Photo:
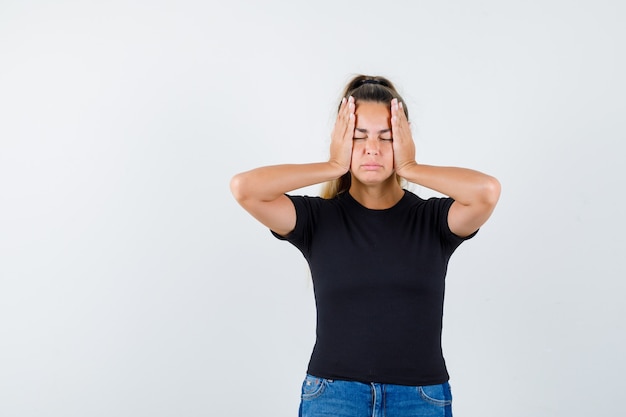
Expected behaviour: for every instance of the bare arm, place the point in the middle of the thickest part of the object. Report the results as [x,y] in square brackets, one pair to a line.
[475,194]
[261,191]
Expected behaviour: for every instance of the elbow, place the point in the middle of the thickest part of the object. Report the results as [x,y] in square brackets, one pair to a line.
[237,187]
[491,191]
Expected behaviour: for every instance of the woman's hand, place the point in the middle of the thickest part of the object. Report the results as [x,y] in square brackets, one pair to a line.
[403,145]
[342,135]
[475,194]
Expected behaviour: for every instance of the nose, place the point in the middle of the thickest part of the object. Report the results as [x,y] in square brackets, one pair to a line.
[372,147]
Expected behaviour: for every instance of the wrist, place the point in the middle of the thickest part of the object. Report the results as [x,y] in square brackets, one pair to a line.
[337,168]
[402,169]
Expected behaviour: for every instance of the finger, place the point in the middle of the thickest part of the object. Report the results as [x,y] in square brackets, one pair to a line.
[398,117]
[350,106]
[349,133]
[345,109]
[401,113]
[342,105]
[346,103]
[395,122]
[347,126]
[395,113]
[339,127]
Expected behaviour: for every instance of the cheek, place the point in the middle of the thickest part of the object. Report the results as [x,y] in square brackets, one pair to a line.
[357,148]
[389,152]
[354,158]
[388,148]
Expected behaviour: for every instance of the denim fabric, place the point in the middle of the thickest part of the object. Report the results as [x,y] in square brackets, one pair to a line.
[325,398]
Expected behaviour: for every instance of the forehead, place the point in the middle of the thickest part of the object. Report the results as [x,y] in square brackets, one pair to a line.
[371,112]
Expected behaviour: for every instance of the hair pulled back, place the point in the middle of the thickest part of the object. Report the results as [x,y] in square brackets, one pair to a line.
[363,88]
[372,88]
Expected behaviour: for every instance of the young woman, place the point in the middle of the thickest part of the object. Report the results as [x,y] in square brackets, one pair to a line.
[378,256]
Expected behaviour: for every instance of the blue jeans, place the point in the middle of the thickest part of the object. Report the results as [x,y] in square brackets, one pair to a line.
[325,398]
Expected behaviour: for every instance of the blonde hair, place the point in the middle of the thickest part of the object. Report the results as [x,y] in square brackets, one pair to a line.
[363,88]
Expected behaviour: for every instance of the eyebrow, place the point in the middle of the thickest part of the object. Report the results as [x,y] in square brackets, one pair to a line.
[367,131]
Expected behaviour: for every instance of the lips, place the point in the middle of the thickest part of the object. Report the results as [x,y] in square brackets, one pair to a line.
[371,166]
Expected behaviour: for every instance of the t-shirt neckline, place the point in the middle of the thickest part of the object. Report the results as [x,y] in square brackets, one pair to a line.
[353,201]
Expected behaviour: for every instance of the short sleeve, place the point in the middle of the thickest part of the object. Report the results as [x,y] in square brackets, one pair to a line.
[454,240]
[300,236]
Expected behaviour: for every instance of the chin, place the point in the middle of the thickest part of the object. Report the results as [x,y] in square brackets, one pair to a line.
[373,179]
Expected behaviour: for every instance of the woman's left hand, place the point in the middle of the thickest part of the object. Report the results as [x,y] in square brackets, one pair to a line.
[403,145]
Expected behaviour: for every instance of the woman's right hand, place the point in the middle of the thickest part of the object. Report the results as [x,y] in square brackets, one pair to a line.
[342,135]
[262,191]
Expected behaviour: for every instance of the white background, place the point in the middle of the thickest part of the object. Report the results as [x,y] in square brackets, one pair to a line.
[132,284]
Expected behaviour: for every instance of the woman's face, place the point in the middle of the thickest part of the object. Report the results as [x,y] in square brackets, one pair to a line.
[372,149]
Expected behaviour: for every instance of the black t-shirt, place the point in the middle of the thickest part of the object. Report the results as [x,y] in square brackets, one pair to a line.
[379,279]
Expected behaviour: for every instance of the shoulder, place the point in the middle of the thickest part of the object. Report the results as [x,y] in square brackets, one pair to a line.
[313,209]
[308,203]
[430,205]
[432,211]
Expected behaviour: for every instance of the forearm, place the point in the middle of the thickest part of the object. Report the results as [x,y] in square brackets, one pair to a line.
[270,182]
[466,186]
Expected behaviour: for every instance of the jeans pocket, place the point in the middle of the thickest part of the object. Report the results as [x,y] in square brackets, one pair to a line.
[439,395]
[312,387]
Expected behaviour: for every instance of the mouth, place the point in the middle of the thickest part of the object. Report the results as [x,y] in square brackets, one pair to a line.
[371,166]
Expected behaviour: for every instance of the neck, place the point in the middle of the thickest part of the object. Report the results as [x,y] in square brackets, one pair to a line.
[377,197]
